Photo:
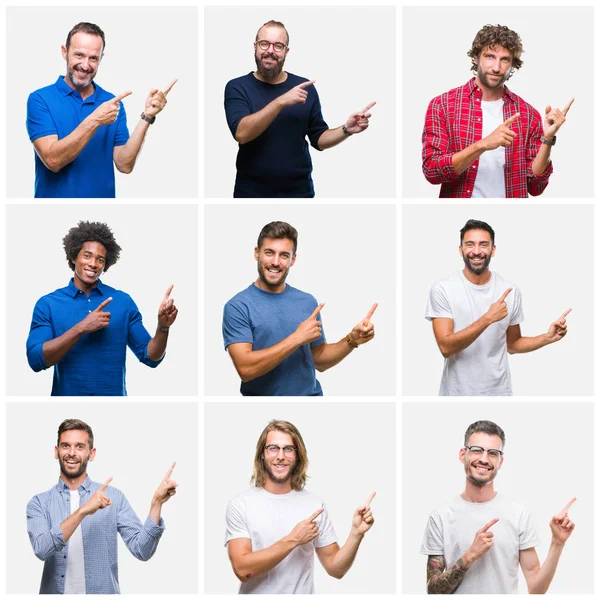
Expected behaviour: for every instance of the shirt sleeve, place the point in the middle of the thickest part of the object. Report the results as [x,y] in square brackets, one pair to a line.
[327,534]
[235,521]
[517,316]
[536,184]
[122,133]
[436,155]
[138,337]
[141,540]
[40,331]
[237,105]
[316,124]
[45,539]
[39,120]
[236,324]
[527,534]
[433,539]
[438,304]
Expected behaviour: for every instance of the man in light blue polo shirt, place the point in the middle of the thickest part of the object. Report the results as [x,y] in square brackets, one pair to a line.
[78,129]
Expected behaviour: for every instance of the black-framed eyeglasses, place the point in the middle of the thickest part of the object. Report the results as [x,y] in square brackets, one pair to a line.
[277,46]
[287,450]
[478,451]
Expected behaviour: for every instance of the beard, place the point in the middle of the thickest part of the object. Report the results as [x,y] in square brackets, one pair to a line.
[480,482]
[268,283]
[73,475]
[78,84]
[277,478]
[489,83]
[269,73]
[477,270]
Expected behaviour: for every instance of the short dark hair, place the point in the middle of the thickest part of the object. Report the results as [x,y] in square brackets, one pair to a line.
[475,224]
[485,427]
[70,425]
[87,231]
[86,28]
[497,35]
[278,230]
[272,23]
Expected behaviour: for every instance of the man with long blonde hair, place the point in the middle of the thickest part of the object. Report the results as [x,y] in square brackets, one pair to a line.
[273,528]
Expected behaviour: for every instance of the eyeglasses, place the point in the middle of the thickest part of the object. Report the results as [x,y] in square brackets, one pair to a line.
[277,46]
[478,451]
[287,450]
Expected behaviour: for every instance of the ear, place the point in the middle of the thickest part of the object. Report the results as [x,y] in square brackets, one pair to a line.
[256,253]
[63,49]
[460,251]
[92,455]
[494,250]
[500,463]
[56,452]
[293,260]
[461,455]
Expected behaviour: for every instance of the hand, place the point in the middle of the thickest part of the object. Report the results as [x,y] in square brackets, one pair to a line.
[558,329]
[560,524]
[362,519]
[167,311]
[498,310]
[503,135]
[364,331]
[306,531]
[359,121]
[108,111]
[310,330]
[98,500]
[297,95]
[166,489]
[482,543]
[554,119]
[157,100]
[97,319]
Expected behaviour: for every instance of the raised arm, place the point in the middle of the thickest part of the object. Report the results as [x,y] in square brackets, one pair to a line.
[167,313]
[248,564]
[356,123]
[517,344]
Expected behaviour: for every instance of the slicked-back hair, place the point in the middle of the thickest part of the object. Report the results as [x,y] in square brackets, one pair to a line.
[299,476]
[496,35]
[90,28]
[75,424]
[272,23]
[485,427]
[87,231]
[475,224]
[278,230]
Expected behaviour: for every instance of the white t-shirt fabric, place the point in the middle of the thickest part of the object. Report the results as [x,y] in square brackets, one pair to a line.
[489,182]
[451,530]
[266,518]
[482,368]
[75,577]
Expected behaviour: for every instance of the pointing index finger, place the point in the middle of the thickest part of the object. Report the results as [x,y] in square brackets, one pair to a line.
[305,84]
[568,506]
[370,499]
[168,292]
[506,293]
[105,484]
[565,314]
[121,96]
[316,514]
[488,525]
[103,304]
[317,310]
[371,311]
[368,106]
[512,119]
[170,87]
[170,471]
[568,106]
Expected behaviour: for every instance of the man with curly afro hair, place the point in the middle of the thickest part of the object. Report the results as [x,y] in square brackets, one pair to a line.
[73,330]
[481,140]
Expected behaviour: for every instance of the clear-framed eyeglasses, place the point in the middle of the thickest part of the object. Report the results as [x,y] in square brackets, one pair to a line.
[288,451]
[277,46]
[491,452]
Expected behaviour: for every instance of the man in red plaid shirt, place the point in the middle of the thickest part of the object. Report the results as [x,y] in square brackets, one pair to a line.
[481,140]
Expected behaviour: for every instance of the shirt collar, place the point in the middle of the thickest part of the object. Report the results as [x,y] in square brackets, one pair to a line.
[67,90]
[73,290]
[472,88]
[61,486]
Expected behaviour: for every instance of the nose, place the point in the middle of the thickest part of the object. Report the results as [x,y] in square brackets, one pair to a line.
[280,453]
[276,260]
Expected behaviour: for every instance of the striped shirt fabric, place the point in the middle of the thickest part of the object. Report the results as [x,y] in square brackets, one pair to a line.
[454,121]
[45,513]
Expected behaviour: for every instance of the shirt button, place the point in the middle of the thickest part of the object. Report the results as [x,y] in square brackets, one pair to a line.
[479,119]
[89,300]
[65,556]
[89,311]
[468,191]
[62,575]
[472,166]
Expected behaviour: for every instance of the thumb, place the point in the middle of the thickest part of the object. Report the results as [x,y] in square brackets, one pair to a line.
[153,91]
[548,109]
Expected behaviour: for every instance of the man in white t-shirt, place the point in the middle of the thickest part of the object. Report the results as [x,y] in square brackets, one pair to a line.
[274,529]
[73,526]
[476,542]
[476,317]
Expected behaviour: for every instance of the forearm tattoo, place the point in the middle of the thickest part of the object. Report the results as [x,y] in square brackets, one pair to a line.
[441,580]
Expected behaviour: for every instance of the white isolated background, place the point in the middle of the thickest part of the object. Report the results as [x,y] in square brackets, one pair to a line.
[351,448]
[345,258]
[558,64]
[549,459]
[159,245]
[146,47]
[136,444]
[546,251]
[349,51]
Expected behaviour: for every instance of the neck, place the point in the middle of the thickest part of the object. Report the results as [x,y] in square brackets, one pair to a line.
[85,92]
[480,279]
[279,79]
[489,94]
[478,493]
[274,487]
[277,289]
[84,287]
[74,483]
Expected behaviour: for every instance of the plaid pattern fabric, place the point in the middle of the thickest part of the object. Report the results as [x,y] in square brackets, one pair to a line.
[45,513]
[454,121]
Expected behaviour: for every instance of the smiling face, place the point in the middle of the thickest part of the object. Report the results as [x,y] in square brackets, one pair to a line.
[477,250]
[494,67]
[83,59]
[274,260]
[269,62]
[73,453]
[481,470]
[279,466]
[89,265]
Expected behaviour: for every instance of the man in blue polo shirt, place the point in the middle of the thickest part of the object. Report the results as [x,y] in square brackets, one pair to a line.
[72,331]
[273,332]
[79,130]
[270,112]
